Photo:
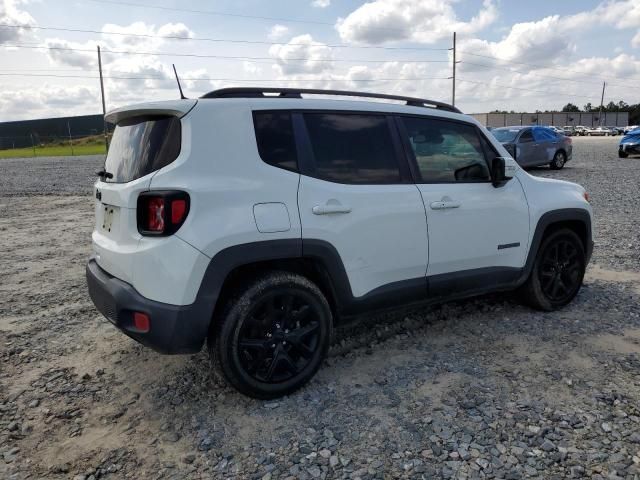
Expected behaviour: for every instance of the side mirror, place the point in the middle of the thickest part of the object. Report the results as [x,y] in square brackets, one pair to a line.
[500,172]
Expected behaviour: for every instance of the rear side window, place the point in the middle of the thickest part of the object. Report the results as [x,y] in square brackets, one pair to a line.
[526,137]
[276,143]
[446,151]
[352,148]
[141,145]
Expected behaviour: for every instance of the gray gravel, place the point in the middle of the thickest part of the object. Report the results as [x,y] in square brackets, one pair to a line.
[483,388]
[49,175]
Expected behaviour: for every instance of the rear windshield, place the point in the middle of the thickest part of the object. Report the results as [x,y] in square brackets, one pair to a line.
[504,135]
[141,145]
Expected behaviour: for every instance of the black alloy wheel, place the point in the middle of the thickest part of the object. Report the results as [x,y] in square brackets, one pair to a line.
[559,159]
[557,272]
[561,271]
[273,335]
[279,337]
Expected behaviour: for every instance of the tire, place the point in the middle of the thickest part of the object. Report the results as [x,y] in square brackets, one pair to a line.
[559,159]
[273,336]
[541,290]
[622,154]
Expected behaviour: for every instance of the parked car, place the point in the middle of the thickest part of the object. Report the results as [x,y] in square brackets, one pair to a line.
[597,132]
[580,130]
[535,146]
[259,223]
[630,128]
[630,144]
[558,130]
[569,130]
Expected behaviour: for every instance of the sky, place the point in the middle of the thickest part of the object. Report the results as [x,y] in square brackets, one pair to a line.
[512,54]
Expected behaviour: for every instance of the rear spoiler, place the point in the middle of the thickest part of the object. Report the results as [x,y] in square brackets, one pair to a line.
[176,108]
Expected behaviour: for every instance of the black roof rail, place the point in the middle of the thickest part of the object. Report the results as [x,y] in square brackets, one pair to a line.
[255,92]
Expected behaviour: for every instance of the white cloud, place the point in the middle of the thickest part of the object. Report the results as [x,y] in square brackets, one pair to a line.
[11,14]
[278,31]
[317,56]
[541,41]
[195,81]
[47,101]
[158,74]
[251,68]
[63,52]
[550,39]
[320,3]
[620,14]
[635,41]
[141,35]
[424,21]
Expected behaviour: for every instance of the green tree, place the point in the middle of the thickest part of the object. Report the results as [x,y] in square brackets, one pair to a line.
[570,107]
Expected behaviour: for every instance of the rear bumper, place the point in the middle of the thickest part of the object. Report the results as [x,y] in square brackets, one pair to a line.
[174,328]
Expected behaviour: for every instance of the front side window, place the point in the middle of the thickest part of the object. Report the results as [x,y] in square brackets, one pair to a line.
[352,148]
[543,135]
[446,151]
[276,142]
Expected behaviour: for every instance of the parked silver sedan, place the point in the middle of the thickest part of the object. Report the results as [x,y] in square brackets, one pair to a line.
[534,146]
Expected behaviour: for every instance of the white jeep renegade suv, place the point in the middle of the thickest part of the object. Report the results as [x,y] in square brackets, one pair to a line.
[257,220]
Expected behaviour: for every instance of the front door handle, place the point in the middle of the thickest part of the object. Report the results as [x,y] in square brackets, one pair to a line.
[442,205]
[330,208]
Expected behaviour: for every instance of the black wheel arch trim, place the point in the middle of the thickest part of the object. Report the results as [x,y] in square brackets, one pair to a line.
[193,322]
[336,280]
[554,217]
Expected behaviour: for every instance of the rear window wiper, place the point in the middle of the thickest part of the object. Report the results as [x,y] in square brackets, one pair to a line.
[104,174]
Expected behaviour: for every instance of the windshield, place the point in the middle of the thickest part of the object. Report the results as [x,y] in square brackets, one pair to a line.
[505,135]
[141,145]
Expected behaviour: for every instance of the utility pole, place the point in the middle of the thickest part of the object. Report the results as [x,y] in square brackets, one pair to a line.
[104,109]
[601,102]
[453,78]
[70,138]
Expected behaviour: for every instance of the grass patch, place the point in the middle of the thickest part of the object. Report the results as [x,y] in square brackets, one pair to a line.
[93,145]
[53,151]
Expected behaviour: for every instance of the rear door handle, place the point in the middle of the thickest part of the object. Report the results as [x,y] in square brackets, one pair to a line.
[330,208]
[442,205]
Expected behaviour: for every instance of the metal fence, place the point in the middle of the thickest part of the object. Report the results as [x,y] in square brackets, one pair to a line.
[559,119]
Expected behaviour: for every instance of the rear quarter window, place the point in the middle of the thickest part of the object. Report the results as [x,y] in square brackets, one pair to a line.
[275,139]
[142,145]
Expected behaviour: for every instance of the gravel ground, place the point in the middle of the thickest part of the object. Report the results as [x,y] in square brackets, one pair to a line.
[483,388]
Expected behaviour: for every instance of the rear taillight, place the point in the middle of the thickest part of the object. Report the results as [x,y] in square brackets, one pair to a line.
[162,213]
[155,215]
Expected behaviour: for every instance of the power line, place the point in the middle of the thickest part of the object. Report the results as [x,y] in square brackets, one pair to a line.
[213,12]
[223,57]
[526,89]
[240,15]
[217,40]
[225,79]
[538,65]
[496,67]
